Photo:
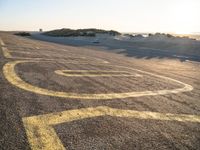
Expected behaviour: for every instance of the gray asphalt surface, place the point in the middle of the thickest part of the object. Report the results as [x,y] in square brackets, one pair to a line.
[175,49]
[99,132]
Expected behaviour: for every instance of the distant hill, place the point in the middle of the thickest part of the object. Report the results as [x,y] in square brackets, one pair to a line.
[79,32]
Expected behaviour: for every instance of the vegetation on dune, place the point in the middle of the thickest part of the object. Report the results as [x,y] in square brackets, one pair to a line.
[79,32]
[158,36]
[23,34]
[170,36]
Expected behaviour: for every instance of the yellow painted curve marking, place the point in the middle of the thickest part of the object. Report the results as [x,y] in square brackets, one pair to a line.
[41,135]
[103,61]
[1,42]
[94,73]
[6,52]
[13,78]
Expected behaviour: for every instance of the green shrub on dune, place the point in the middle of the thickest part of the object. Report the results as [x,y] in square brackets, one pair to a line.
[79,32]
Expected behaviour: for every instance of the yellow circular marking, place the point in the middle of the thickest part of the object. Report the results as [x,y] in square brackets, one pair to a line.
[94,73]
[13,78]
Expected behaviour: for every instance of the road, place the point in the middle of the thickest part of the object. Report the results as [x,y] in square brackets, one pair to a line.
[56,96]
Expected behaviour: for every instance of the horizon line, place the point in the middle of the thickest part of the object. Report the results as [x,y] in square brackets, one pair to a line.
[19,30]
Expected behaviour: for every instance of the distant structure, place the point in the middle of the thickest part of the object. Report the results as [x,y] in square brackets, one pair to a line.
[40,30]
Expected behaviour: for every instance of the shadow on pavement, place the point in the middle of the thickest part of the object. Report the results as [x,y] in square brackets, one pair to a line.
[133,49]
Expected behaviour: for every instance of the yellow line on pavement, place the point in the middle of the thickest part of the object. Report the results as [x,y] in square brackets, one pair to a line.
[1,42]
[103,61]
[41,134]
[94,73]
[6,52]
[13,78]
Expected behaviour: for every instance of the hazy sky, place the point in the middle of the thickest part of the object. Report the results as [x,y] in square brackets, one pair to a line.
[180,16]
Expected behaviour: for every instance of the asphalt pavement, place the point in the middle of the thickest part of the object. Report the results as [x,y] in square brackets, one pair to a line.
[55,96]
